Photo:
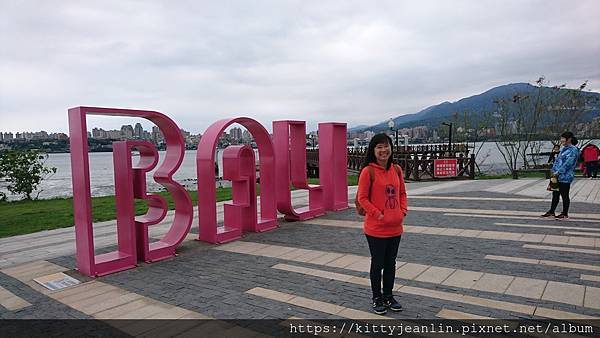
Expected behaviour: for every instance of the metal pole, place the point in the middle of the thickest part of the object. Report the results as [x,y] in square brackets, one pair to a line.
[396,151]
[450,138]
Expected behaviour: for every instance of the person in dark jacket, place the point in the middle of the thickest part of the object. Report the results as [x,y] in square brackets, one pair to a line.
[563,170]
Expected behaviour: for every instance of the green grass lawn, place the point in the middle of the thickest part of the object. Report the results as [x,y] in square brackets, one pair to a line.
[24,217]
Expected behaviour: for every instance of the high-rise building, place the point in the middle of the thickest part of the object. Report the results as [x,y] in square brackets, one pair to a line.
[115,134]
[58,136]
[246,136]
[157,135]
[100,133]
[419,132]
[127,131]
[236,134]
[138,131]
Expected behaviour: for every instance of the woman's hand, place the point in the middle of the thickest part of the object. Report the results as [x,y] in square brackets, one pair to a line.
[380,218]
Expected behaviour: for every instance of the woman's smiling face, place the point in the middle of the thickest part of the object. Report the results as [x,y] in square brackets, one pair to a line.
[383,152]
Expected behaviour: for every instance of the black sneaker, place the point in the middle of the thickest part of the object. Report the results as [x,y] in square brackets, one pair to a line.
[548,214]
[562,217]
[378,306]
[392,304]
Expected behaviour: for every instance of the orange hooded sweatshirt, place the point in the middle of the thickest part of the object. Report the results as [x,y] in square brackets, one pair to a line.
[388,197]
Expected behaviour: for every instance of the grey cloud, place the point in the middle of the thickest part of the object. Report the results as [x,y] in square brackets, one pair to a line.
[352,61]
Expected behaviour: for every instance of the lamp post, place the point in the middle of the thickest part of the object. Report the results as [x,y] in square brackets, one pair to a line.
[449,135]
[391,125]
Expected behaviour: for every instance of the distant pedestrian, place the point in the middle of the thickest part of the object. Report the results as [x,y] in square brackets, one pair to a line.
[590,154]
[382,195]
[563,170]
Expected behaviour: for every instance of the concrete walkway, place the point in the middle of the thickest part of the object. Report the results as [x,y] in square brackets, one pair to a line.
[471,249]
[59,242]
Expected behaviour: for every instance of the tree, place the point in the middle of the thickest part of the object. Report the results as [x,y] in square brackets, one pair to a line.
[470,129]
[518,122]
[565,112]
[524,120]
[24,170]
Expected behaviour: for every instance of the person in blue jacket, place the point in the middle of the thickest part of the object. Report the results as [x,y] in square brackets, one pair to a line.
[564,170]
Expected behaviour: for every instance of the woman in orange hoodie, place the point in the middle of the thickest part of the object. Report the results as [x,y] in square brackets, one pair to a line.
[382,194]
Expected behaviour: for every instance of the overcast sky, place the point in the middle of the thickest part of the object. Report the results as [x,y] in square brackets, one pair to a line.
[359,62]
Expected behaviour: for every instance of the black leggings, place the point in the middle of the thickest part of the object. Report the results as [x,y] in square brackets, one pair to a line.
[563,191]
[383,257]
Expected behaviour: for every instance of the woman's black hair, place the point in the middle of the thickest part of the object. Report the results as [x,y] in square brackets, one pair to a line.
[375,140]
[569,135]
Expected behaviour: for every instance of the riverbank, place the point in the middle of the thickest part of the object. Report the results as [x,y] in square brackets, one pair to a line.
[24,217]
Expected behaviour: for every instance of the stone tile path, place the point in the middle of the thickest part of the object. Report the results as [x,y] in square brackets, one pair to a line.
[471,250]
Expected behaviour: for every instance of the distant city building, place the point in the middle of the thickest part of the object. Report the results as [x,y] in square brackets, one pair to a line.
[114,134]
[58,136]
[313,138]
[157,135]
[40,135]
[420,132]
[246,137]
[99,133]
[127,131]
[138,131]
[235,134]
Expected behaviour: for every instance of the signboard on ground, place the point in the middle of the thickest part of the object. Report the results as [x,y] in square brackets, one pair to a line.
[57,281]
[444,168]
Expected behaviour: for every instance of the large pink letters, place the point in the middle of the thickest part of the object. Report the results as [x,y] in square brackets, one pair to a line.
[333,170]
[239,168]
[129,183]
[289,138]
[205,162]
[282,161]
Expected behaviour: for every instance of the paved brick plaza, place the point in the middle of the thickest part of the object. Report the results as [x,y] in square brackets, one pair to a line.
[470,250]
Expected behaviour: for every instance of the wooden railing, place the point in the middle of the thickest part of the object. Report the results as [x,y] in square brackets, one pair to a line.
[416,161]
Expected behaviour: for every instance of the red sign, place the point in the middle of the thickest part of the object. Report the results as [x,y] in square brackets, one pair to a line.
[444,168]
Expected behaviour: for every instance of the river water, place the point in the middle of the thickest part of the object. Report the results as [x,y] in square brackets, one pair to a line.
[102,180]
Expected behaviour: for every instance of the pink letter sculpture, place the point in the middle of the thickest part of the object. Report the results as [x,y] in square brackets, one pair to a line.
[333,170]
[240,169]
[205,162]
[238,166]
[289,138]
[129,184]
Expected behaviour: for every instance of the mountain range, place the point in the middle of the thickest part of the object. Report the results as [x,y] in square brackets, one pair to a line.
[476,106]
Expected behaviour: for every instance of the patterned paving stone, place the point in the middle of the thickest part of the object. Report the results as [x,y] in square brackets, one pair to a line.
[470,266]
